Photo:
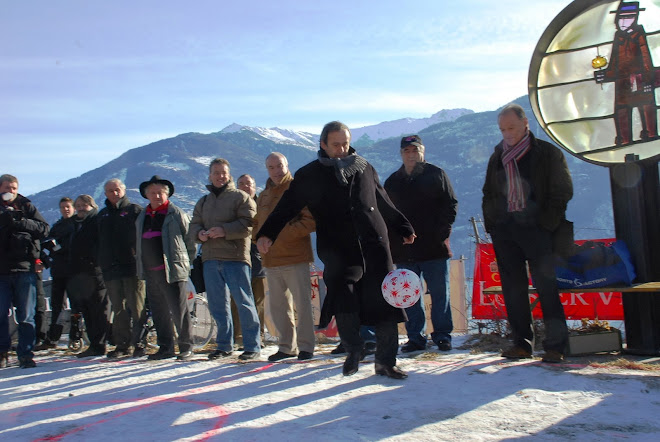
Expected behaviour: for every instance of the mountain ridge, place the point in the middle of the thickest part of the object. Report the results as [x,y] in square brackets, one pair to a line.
[461,146]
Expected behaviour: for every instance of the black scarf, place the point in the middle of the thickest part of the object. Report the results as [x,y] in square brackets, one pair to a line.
[344,167]
[216,190]
[79,222]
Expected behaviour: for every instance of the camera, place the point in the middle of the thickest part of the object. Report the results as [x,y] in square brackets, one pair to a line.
[50,244]
[9,214]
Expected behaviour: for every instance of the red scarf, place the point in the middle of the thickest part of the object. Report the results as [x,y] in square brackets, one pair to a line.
[517,200]
[162,209]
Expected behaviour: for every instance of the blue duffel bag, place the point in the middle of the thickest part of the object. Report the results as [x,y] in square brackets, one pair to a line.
[596,264]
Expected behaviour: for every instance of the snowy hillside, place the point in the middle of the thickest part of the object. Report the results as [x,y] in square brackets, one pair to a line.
[279,136]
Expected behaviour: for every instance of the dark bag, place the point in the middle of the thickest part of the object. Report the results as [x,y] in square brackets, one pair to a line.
[563,241]
[196,268]
[197,274]
[596,264]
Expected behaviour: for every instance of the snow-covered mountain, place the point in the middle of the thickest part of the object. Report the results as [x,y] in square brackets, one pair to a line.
[364,136]
[279,136]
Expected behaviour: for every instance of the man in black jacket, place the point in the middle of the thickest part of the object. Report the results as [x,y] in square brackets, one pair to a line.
[117,260]
[21,229]
[423,193]
[352,212]
[527,188]
[58,246]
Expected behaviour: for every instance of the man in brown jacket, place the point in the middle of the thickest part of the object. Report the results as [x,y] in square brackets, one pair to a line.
[287,267]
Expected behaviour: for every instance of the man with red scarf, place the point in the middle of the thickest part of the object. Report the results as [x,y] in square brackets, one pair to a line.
[527,188]
[163,256]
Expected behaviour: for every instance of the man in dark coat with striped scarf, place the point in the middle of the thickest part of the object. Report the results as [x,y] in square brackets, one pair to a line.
[527,188]
[352,213]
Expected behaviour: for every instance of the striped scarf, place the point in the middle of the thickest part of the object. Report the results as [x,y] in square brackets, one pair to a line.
[344,167]
[516,197]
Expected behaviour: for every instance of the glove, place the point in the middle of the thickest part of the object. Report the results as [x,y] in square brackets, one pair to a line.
[6,218]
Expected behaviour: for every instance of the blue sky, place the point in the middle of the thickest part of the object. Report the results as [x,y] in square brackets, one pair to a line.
[83,81]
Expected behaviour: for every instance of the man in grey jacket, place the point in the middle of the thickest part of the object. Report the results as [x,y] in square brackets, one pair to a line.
[163,260]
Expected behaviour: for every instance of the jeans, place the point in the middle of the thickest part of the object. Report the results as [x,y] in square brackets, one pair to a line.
[368,333]
[19,289]
[436,274]
[225,278]
[259,292]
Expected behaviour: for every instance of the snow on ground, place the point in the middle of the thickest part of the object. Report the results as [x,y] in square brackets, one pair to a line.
[457,395]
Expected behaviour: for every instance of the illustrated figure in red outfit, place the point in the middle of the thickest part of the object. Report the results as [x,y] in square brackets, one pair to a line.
[632,71]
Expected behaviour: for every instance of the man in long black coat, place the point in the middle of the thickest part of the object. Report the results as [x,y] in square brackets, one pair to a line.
[352,213]
[526,191]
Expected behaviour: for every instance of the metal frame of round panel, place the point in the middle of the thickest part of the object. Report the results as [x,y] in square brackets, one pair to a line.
[578,112]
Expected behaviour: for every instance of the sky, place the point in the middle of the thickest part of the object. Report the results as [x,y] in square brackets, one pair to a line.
[449,396]
[82,82]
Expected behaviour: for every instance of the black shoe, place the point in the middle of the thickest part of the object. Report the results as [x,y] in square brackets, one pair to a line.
[338,350]
[118,353]
[26,362]
[305,356]
[185,355]
[90,352]
[249,355]
[369,348]
[553,357]
[4,359]
[45,345]
[159,355]
[219,354]
[139,352]
[444,345]
[352,362]
[517,352]
[411,346]
[279,356]
[393,372]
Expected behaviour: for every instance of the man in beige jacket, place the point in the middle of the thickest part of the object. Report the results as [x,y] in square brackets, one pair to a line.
[222,223]
[287,268]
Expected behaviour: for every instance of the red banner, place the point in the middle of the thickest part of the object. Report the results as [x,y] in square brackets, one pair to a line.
[597,305]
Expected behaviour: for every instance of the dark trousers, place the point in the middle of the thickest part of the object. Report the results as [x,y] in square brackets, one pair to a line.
[387,337]
[516,244]
[169,309]
[40,322]
[127,297]
[89,295]
[57,291]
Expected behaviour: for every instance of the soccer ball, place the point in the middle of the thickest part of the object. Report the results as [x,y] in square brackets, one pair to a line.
[402,288]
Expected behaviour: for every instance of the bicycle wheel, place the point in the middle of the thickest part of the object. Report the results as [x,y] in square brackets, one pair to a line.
[78,333]
[151,338]
[203,324]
